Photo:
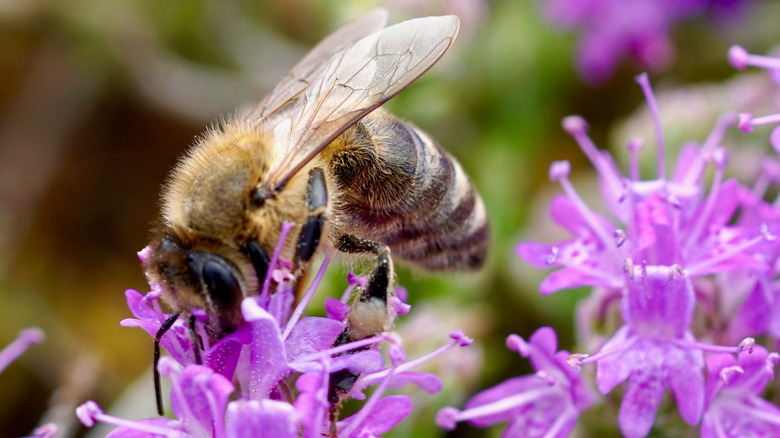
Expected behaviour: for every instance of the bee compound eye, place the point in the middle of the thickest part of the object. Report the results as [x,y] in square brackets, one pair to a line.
[221,283]
[168,246]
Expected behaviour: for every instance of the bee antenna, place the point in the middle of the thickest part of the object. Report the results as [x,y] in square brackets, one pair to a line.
[157,390]
[260,194]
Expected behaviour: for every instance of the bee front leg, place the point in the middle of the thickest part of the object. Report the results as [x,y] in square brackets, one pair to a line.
[157,388]
[311,232]
[197,342]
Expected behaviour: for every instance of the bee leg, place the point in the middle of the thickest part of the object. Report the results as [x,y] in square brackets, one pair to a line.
[157,389]
[197,342]
[316,203]
[333,417]
[380,281]
[369,313]
[340,383]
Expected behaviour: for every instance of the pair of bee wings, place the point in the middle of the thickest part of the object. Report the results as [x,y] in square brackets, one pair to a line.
[347,75]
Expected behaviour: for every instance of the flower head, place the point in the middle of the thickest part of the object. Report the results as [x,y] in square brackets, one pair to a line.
[664,220]
[545,404]
[663,235]
[285,367]
[199,398]
[650,350]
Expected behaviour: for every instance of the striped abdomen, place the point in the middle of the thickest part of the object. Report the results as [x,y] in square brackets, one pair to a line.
[398,187]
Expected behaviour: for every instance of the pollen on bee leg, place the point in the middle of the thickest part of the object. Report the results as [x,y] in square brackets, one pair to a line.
[365,317]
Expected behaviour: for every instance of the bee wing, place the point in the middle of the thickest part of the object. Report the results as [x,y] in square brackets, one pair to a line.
[355,81]
[299,77]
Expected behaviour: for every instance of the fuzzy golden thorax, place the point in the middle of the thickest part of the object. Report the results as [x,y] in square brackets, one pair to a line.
[207,214]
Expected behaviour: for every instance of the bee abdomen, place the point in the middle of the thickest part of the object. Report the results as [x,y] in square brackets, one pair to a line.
[449,230]
[397,186]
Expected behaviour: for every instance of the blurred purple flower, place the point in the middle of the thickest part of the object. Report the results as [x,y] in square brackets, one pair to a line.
[734,407]
[275,346]
[48,430]
[545,404]
[750,300]
[25,339]
[759,312]
[741,59]
[612,29]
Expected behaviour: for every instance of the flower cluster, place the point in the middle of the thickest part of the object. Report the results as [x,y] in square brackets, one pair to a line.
[688,264]
[544,404]
[273,376]
[612,29]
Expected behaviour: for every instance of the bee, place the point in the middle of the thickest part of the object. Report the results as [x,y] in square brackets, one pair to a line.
[318,151]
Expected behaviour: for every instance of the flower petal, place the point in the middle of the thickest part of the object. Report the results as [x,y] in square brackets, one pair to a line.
[384,415]
[429,383]
[264,362]
[614,369]
[138,432]
[199,398]
[223,356]
[539,255]
[262,419]
[311,335]
[640,403]
[568,278]
[336,309]
[687,383]
[511,387]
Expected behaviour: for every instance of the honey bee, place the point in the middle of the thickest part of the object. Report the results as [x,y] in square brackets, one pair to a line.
[319,152]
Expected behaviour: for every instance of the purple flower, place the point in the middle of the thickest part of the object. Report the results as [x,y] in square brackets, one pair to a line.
[750,299]
[653,350]
[663,234]
[281,363]
[758,295]
[545,404]
[199,398]
[660,221]
[25,340]
[734,406]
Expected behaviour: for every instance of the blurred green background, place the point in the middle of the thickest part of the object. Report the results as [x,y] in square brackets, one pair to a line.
[98,98]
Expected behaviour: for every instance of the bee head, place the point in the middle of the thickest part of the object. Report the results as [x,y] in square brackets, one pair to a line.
[199,277]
